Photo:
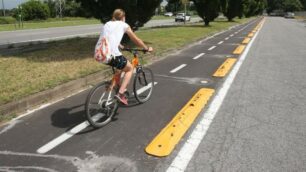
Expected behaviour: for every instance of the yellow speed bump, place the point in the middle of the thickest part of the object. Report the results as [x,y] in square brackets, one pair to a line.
[225,67]
[239,49]
[251,35]
[246,40]
[165,141]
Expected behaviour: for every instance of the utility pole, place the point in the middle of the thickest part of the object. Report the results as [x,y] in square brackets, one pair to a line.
[3,8]
[185,9]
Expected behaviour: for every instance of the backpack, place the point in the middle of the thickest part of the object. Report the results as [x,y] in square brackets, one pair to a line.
[102,51]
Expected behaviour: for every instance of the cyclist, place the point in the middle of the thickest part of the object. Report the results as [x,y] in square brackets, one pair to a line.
[118,28]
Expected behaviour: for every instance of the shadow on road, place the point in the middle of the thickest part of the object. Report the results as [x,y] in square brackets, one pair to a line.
[68,117]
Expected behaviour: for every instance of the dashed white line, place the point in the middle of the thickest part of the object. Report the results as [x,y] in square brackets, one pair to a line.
[198,56]
[46,148]
[236,32]
[181,161]
[211,48]
[178,68]
[231,35]
[145,88]
[226,38]
[221,42]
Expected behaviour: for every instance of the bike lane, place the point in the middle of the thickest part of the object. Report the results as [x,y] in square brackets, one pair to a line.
[121,143]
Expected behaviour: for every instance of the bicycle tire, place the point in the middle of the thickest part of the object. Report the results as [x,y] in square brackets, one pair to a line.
[143,84]
[103,114]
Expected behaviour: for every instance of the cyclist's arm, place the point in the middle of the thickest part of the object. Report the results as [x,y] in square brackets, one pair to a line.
[137,40]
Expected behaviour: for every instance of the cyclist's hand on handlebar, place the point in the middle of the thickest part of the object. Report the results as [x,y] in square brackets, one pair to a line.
[150,49]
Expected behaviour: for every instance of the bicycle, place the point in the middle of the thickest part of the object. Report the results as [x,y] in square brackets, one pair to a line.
[102,95]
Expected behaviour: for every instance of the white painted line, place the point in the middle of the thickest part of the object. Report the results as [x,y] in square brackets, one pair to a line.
[231,35]
[211,48]
[221,42]
[179,164]
[145,88]
[178,68]
[236,32]
[57,141]
[227,38]
[198,56]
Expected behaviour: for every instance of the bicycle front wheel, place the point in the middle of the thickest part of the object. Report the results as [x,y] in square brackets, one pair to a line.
[100,105]
[143,84]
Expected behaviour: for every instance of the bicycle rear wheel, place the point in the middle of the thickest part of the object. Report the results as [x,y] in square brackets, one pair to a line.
[143,84]
[100,105]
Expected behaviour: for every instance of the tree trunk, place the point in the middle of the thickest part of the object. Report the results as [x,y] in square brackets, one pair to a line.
[206,21]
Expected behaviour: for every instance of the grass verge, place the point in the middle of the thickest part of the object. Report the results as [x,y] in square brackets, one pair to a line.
[10,24]
[55,63]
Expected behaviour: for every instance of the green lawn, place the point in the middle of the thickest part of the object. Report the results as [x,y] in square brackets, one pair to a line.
[58,62]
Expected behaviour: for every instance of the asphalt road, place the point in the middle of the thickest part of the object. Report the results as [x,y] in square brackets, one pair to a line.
[58,33]
[259,127]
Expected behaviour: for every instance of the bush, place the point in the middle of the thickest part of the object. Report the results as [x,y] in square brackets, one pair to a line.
[33,10]
[7,20]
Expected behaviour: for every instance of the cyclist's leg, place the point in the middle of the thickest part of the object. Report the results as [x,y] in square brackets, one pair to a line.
[128,69]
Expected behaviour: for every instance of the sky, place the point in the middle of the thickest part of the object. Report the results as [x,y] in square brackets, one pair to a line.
[9,4]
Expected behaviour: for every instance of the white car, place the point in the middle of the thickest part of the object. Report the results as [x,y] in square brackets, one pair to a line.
[181,17]
[168,14]
[289,15]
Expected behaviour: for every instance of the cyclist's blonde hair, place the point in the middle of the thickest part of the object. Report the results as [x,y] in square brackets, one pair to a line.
[118,14]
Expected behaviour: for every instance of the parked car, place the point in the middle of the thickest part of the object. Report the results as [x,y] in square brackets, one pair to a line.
[168,14]
[181,17]
[289,15]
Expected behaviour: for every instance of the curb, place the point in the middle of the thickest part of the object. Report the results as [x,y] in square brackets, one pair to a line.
[74,86]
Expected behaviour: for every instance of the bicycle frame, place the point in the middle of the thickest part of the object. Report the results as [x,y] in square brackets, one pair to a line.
[115,81]
[116,75]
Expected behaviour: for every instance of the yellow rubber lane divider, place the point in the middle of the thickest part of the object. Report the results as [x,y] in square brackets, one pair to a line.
[246,40]
[164,143]
[251,35]
[239,49]
[225,67]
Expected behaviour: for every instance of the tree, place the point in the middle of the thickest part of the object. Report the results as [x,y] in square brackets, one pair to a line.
[254,7]
[208,10]
[52,7]
[303,2]
[232,8]
[72,9]
[33,10]
[174,6]
[284,5]
[138,12]
[292,5]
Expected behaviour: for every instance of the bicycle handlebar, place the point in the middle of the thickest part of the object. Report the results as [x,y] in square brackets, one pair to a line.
[134,49]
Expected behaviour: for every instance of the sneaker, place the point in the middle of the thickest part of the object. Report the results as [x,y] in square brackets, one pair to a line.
[122,98]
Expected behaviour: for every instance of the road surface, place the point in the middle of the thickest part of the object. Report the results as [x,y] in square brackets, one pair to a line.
[260,126]
[58,33]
